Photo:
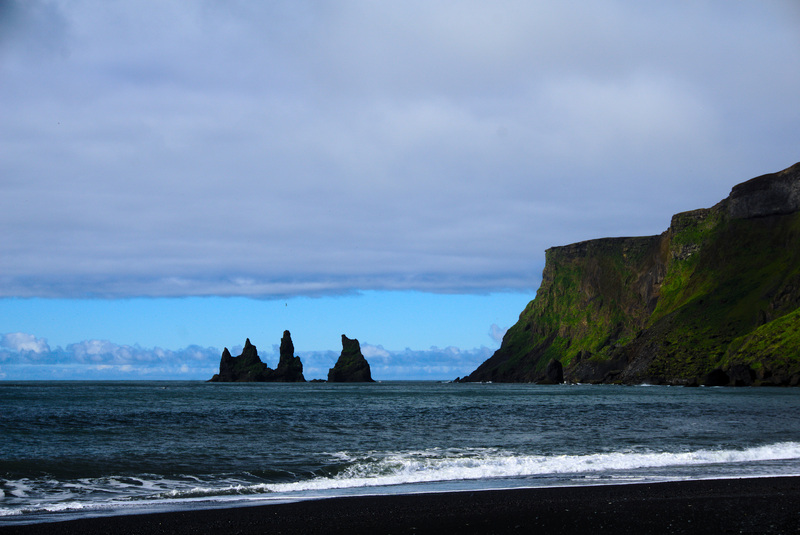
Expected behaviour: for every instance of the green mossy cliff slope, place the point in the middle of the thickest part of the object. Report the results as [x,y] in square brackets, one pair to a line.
[713,300]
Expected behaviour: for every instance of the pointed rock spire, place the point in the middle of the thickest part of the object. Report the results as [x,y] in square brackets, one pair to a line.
[248,367]
[351,367]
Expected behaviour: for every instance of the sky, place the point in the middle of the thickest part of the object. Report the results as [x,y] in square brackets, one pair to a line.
[178,176]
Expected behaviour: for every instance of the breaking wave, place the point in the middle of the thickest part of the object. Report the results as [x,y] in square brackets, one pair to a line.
[453,465]
[370,471]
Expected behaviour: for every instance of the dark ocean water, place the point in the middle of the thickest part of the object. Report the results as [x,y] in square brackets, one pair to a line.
[72,449]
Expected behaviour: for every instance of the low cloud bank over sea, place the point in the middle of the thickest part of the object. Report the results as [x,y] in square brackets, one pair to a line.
[24,356]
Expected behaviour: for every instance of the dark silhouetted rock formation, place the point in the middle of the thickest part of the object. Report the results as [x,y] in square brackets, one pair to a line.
[290,369]
[248,368]
[714,300]
[351,367]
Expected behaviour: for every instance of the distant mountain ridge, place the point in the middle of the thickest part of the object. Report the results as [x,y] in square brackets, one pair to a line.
[714,300]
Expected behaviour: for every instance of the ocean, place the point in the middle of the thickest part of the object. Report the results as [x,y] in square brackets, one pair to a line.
[77,449]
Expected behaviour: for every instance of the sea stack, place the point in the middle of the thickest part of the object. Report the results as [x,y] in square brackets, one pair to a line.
[290,369]
[351,367]
[248,367]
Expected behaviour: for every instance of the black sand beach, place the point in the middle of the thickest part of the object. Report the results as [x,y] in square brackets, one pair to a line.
[763,505]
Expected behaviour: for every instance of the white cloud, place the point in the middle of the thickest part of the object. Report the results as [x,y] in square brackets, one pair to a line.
[371,352]
[26,357]
[497,333]
[22,342]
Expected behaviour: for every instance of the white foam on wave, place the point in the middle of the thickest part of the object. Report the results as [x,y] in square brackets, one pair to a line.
[19,488]
[58,507]
[7,511]
[112,493]
[382,469]
[440,466]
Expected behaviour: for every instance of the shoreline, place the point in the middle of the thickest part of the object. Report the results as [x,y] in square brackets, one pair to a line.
[758,504]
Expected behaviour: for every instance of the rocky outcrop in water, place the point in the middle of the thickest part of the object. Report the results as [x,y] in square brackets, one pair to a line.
[351,367]
[290,368]
[713,300]
[248,367]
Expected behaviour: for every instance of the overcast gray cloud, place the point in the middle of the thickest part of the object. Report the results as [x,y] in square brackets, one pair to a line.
[281,148]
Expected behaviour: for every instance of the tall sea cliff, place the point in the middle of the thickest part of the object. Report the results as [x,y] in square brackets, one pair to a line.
[714,300]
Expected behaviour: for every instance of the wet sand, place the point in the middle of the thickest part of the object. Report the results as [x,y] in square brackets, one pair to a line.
[763,505]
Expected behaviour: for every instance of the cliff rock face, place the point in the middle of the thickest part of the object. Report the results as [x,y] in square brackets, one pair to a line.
[715,299]
[248,367]
[351,367]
